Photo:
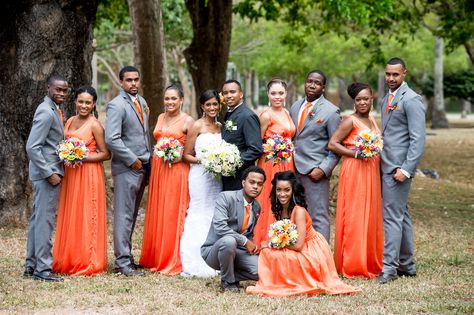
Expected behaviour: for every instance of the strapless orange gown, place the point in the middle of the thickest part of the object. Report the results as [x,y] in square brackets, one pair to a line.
[168,200]
[80,246]
[359,240]
[285,272]
[287,129]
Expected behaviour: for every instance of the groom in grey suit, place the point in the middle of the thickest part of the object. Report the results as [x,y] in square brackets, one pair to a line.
[403,131]
[229,246]
[316,119]
[126,135]
[45,172]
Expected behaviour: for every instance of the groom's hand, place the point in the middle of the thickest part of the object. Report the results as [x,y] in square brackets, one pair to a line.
[399,176]
[251,248]
[137,165]
[316,174]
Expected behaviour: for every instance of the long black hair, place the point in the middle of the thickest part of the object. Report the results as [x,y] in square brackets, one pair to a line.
[298,197]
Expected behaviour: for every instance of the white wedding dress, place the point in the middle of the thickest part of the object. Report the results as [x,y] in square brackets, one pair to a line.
[203,190]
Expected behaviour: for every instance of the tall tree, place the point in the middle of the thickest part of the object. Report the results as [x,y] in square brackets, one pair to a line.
[148,39]
[208,53]
[37,38]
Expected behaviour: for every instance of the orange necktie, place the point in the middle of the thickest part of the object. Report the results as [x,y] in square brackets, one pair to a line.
[389,101]
[245,223]
[303,115]
[139,110]
[61,117]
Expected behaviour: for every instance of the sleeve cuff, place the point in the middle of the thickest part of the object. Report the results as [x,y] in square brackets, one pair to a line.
[405,173]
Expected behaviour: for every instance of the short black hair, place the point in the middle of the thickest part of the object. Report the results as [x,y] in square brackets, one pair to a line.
[177,88]
[233,81]
[397,61]
[86,89]
[318,72]
[253,169]
[56,77]
[127,69]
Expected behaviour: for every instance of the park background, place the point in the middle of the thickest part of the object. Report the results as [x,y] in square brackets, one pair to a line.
[199,44]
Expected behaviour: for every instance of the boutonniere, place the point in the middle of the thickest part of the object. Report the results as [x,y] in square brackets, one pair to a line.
[146,109]
[393,107]
[319,121]
[312,112]
[230,125]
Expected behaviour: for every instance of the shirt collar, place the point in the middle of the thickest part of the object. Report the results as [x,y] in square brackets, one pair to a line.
[394,93]
[231,110]
[133,98]
[313,102]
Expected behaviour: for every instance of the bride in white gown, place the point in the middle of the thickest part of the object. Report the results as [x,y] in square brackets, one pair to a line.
[203,188]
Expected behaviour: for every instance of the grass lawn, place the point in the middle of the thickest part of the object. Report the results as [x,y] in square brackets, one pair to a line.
[442,212]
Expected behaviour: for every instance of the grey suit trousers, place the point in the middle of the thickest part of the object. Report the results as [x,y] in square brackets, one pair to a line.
[398,247]
[234,262]
[128,192]
[41,226]
[317,198]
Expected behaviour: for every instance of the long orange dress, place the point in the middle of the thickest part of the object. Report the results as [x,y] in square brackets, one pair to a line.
[80,247]
[358,248]
[168,200]
[287,129]
[285,272]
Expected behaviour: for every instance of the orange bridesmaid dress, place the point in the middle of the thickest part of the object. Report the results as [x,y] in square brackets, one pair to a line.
[359,240]
[80,247]
[286,128]
[285,272]
[168,200]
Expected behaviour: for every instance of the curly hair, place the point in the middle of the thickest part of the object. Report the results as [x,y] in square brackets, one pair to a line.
[298,197]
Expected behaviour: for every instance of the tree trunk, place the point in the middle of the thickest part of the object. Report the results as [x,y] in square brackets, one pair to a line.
[37,39]
[380,91]
[256,90]
[291,95]
[466,108]
[188,105]
[208,53]
[248,88]
[470,51]
[438,118]
[148,38]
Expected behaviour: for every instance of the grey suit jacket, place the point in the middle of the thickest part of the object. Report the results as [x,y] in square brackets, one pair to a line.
[46,133]
[126,137]
[228,218]
[403,131]
[311,143]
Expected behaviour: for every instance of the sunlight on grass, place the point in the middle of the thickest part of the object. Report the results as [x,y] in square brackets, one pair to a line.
[442,213]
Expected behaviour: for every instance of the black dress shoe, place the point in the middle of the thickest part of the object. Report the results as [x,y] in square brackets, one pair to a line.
[47,276]
[28,273]
[129,272]
[383,278]
[406,274]
[230,287]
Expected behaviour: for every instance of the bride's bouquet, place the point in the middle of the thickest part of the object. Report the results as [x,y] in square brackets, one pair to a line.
[282,234]
[278,149]
[72,151]
[220,158]
[368,144]
[168,149]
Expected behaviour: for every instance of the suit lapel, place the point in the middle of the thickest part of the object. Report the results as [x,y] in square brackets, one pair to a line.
[130,103]
[239,207]
[397,99]
[317,109]
[57,117]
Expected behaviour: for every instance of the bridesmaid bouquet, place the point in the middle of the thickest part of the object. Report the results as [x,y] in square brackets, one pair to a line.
[72,151]
[168,149]
[282,234]
[220,158]
[368,144]
[278,149]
